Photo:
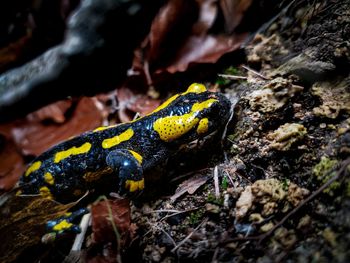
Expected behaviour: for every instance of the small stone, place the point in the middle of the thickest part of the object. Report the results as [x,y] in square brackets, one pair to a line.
[323,125]
[342,130]
[286,135]
[330,236]
[256,218]
[267,227]
[211,208]
[305,221]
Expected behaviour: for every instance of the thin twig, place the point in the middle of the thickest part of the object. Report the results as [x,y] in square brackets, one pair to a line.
[79,239]
[165,233]
[255,72]
[216,182]
[215,255]
[115,229]
[188,236]
[229,178]
[260,238]
[232,77]
[165,211]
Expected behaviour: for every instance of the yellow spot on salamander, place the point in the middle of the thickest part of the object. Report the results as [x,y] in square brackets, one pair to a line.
[45,192]
[133,186]
[172,127]
[19,192]
[195,88]
[137,156]
[101,128]
[110,142]
[203,126]
[35,166]
[49,178]
[63,225]
[203,105]
[72,151]
[166,103]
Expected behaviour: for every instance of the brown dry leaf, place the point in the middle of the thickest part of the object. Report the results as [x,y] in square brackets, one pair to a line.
[233,12]
[102,227]
[165,34]
[132,103]
[12,164]
[190,186]
[33,136]
[204,49]
[54,112]
[180,35]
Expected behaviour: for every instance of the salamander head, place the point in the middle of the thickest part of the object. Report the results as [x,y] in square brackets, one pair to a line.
[192,114]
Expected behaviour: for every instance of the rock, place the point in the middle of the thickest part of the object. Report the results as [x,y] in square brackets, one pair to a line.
[274,95]
[286,135]
[335,98]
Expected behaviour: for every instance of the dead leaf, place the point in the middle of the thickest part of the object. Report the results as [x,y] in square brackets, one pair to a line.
[102,215]
[233,12]
[33,136]
[54,112]
[190,186]
[204,49]
[132,102]
[165,34]
[12,164]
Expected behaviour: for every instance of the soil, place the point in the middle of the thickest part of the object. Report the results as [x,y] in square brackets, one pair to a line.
[290,135]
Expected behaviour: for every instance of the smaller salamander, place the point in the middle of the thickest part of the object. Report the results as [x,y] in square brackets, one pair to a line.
[113,158]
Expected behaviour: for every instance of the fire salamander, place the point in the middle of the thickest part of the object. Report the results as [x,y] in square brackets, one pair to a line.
[113,158]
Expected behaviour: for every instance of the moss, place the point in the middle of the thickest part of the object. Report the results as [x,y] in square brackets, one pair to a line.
[212,199]
[347,189]
[229,71]
[285,184]
[195,217]
[224,183]
[323,173]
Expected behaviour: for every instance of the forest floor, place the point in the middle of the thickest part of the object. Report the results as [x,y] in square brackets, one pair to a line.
[281,192]
[276,188]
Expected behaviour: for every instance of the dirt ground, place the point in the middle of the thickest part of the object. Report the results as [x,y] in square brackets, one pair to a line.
[259,199]
[276,187]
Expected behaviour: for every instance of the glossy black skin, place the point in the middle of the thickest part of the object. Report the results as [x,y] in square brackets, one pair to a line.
[145,141]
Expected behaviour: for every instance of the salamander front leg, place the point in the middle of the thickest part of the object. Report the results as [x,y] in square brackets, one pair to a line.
[63,225]
[127,165]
